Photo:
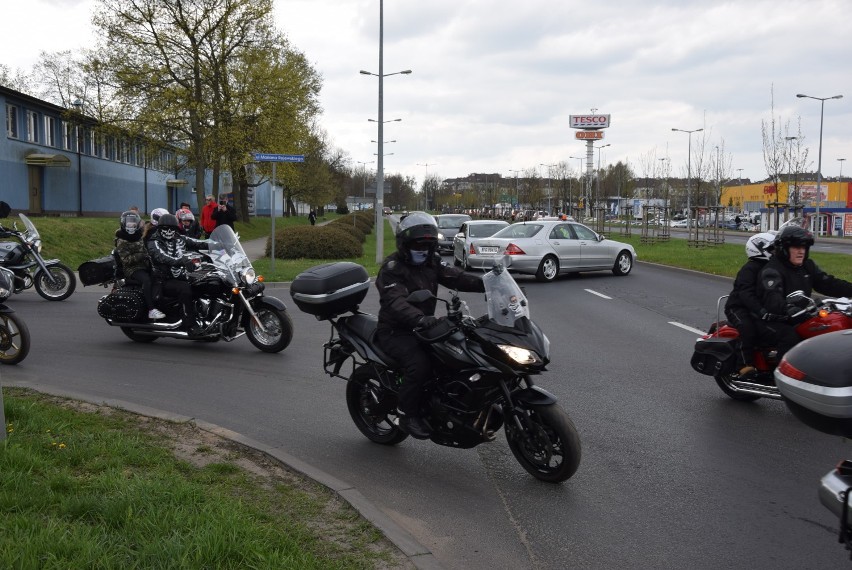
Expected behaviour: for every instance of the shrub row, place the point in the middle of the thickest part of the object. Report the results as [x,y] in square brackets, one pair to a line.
[331,241]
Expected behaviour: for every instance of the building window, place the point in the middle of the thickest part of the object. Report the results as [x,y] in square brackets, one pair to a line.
[50,131]
[11,121]
[139,154]
[124,151]
[97,145]
[68,136]
[32,126]
[109,147]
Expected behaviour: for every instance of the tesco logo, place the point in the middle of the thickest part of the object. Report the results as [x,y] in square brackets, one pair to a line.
[589,121]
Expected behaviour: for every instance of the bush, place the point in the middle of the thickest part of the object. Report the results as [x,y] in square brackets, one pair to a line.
[330,241]
[354,224]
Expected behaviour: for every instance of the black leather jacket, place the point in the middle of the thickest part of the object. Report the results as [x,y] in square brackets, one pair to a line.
[744,294]
[780,278]
[168,255]
[396,280]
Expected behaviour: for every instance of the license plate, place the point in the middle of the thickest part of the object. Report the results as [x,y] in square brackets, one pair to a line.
[488,249]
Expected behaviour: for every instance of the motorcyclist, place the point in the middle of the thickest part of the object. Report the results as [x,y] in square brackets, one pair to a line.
[188,226]
[168,250]
[134,258]
[414,266]
[790,269]
[151,226]
[743,308]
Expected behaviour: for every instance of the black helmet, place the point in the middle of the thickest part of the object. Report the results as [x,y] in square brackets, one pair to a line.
[167,226]
[793,236]
[416,229]
[131,222]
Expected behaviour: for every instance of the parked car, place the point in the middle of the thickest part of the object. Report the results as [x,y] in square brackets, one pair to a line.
[679,223]
[448,227]
[470,230]
[548,248]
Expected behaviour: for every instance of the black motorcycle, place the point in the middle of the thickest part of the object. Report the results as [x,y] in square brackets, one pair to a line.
[14,335]
[228,297]
[483,367]
[53,280]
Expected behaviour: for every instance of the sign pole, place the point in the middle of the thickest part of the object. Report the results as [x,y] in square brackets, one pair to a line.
[272,214]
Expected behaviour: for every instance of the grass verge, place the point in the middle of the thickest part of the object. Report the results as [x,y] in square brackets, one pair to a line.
[94,487]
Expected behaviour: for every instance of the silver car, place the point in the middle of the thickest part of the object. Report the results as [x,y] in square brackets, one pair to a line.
[546,248]
[470,230]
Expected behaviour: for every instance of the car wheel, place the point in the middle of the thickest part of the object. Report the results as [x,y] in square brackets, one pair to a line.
[623,263]
[548,270]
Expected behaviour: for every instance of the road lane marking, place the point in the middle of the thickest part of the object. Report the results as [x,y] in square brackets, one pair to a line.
[688,328]
[593,292]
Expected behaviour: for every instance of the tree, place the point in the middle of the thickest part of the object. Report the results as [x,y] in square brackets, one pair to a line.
[721,169]
[774,144]
[212,76]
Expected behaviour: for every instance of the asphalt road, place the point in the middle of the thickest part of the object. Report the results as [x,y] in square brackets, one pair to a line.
[674,474]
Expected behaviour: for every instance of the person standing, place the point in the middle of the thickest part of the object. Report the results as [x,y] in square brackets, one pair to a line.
[312,217]
[208,224]
[224,214]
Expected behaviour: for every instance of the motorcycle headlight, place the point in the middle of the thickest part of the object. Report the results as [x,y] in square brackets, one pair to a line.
[520,355]
[249,276]
[37,245]
[4,293]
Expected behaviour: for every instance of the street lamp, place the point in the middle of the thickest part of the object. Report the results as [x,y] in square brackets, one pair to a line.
[822,101]
[380,171]
[364,164]
[425,178]
[517,190]
[840,176]
[549,190]
[789,169]
[689,177]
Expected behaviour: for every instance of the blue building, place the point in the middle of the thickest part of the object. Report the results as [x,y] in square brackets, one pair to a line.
[56,161]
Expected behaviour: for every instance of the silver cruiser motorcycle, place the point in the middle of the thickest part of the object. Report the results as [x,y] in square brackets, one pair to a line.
[484,370]
[228,297]
[52,280]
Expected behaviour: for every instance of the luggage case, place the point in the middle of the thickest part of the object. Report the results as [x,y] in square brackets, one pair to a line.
[330,289]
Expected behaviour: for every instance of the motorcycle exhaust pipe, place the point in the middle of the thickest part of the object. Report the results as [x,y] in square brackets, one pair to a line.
[756,389]
[153,327]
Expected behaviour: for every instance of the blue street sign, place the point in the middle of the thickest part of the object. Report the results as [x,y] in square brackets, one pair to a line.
[267,157]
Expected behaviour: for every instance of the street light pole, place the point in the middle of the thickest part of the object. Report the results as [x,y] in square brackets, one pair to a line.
[425,178]
[549,190]
[364,164]
[380,172]
[790,169]
[517,190]
[689,177]
[822,101]
[598,176]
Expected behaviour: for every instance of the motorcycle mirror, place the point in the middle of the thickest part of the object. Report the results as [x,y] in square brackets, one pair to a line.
[5,209]
[419,296]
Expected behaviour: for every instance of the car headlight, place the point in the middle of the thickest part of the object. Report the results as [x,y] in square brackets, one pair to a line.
[249,276]
[440,236]
[520,355]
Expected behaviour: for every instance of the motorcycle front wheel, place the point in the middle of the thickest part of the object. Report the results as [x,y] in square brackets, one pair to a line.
[279,329]
[364,399]
[14,339]
[62,286]
[548,447]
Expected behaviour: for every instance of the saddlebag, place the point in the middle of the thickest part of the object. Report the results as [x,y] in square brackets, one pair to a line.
[330,289]
[714,356]
[97,271]
[124,305]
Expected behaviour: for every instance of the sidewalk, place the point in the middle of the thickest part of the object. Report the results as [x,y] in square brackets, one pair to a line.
[256,248]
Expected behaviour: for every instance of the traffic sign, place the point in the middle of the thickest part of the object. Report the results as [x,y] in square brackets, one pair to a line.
[268,157]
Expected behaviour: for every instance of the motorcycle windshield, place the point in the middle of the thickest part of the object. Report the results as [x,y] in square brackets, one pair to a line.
[31,231]
[506,302]
[227,254]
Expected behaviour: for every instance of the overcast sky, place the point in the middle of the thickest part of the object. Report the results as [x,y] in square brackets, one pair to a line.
[495,81]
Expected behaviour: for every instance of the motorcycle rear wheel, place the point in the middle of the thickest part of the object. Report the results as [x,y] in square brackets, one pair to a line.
[725,383]
[14,339]
[64,285]
[362,391]
[279,327]
[549,448]
[136,337]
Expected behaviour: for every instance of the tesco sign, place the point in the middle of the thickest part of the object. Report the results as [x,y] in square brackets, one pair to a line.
[589,121]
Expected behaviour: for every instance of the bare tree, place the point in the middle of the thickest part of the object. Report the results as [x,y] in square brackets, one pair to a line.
[797,161]
[774,143]
[721,168]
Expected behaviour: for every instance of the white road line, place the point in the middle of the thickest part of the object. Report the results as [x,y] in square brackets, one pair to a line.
[688,328]
[598,294]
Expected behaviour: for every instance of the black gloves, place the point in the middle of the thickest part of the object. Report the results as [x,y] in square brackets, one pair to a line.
[426,322]
[189,264]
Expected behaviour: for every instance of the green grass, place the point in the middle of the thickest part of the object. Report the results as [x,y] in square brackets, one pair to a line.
[102,488]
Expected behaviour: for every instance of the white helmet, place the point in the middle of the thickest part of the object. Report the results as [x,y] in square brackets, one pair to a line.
[156,213]
[759,246]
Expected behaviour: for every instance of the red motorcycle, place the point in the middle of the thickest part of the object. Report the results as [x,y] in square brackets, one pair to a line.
[715,353]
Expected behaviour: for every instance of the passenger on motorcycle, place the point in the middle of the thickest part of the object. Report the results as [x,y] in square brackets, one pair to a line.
[188,226]
[134,260]
[414,266]
[790,270]
[744,308]
[168,250]
[151,226]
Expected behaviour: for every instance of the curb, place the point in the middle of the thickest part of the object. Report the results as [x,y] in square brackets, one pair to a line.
[420,556]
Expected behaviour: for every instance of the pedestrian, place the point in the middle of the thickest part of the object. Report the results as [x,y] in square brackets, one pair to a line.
[208,224]
[224,214]
[312,217]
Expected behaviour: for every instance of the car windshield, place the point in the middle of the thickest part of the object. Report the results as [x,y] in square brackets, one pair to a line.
[453,222]
[484,230]
[519,231]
